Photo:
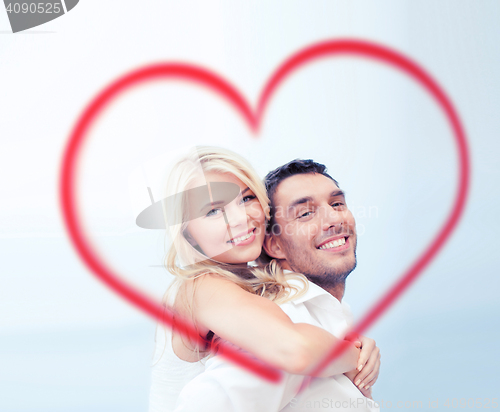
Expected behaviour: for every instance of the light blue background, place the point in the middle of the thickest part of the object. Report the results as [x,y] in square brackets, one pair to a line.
[67,343]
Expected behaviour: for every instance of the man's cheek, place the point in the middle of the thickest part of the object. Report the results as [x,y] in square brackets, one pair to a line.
[309,230]
[293,231]
[279,213]
[352,228]
[299,233]
[349,218]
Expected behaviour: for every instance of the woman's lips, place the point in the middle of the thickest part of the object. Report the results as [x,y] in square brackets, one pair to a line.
[243,240]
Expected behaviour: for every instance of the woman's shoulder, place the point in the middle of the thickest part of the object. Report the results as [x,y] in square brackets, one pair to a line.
[205,283]
[196,294]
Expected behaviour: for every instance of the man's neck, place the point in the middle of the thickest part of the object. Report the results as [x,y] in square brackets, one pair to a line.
[336,290]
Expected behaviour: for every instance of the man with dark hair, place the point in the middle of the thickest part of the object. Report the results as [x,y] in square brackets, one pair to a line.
[295,167]
[311,231]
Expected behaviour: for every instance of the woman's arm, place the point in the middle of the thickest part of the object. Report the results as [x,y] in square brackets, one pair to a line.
[260,327]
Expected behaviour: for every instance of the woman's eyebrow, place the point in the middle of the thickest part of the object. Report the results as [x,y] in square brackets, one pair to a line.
[221,202]
[211,204]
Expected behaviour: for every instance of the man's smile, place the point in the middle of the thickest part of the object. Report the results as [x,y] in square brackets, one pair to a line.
[335,243]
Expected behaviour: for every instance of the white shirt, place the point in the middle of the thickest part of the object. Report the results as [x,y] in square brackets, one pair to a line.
[226,387]
[169,373]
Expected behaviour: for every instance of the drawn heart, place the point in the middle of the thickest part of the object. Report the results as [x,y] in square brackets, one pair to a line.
[253,118]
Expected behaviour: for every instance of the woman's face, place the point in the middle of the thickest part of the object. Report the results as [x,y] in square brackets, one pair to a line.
[226,232]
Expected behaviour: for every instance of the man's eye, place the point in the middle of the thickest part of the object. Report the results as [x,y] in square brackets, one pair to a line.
[306,214]
[338,205]
[214,212]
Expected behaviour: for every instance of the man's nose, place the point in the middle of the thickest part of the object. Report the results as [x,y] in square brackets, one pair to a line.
[331,218]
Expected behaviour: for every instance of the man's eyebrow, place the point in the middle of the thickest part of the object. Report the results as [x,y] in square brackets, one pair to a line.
[306,199]
[300,201]
[337,193]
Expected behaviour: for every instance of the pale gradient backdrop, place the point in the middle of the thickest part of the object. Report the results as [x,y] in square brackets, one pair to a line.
[67,343]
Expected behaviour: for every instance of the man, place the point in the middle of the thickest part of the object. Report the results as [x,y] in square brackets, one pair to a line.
[311,231]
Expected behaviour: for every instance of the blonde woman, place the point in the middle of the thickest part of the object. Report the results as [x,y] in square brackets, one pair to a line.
[216,214]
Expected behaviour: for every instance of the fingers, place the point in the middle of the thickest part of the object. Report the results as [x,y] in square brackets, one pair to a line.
[367,348]
[369,374]
[370,381]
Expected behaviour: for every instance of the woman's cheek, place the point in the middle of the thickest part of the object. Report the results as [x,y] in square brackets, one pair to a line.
[256,212]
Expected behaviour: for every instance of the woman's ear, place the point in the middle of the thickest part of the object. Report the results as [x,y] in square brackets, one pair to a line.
[272,247]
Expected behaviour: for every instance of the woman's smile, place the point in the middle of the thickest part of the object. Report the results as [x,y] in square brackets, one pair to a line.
[243,239]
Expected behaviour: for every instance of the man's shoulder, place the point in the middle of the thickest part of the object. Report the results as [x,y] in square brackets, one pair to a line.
[317,307]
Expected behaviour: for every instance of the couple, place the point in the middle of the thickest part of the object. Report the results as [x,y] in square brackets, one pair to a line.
[286,310]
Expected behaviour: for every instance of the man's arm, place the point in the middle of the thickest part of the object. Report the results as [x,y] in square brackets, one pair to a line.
[226,387]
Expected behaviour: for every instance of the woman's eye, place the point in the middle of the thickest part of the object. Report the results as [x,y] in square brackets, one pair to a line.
[214,212]
[248,198]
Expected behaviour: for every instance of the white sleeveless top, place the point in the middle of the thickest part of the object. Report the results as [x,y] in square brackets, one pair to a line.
[169,373]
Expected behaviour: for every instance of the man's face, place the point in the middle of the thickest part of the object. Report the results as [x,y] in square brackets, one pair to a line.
[318,233]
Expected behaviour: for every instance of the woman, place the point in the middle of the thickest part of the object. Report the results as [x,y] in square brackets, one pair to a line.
[216,214]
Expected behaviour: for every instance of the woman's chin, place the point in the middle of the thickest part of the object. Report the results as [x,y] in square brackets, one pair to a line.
[234,257]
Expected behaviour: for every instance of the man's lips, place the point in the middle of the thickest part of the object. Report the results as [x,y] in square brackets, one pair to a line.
[335,243]
[243,238]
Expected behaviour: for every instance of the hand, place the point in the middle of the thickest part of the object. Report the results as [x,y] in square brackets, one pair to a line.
[368,365]
[366,392]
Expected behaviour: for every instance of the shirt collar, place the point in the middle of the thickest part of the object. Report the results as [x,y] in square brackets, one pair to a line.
[314,291]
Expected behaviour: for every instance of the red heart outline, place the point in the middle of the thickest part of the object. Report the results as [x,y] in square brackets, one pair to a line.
[194,74]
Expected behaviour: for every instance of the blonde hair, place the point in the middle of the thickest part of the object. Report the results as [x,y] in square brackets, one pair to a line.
[268,281]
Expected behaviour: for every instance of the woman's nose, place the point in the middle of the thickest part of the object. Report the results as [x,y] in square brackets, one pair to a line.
[235,216]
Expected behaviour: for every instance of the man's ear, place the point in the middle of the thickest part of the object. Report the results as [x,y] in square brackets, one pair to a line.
[272,247]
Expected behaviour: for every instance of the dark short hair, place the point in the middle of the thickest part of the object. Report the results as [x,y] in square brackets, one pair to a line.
[295,167]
